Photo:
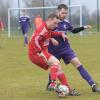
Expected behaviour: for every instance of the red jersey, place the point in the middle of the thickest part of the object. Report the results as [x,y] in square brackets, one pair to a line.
[1,24]
[40,39]
[38,20]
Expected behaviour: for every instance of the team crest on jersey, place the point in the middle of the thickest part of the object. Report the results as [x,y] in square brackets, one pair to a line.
[46,43]
[64,26]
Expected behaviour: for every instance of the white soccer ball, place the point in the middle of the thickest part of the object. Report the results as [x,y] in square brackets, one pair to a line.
[62,90]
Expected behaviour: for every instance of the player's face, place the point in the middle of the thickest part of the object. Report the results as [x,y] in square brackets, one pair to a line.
[62,13]
[53,23]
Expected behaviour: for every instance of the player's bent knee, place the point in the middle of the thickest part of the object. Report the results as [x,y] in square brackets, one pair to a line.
[53,61]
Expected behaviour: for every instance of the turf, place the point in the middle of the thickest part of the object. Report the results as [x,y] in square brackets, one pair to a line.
[22,80]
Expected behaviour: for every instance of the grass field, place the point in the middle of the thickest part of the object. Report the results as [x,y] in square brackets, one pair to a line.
[21,80]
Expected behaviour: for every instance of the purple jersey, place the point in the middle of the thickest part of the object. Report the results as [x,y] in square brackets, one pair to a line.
[63,50]
[24,21]
[63,26]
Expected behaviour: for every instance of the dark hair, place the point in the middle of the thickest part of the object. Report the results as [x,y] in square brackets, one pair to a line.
[62,6]
[53,15]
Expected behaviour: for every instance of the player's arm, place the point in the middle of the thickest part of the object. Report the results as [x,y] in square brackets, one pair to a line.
[43,56]
[36,44]
[54,33]
[20,24]
[38,48]
[54,42]
[77,30]
[59,34]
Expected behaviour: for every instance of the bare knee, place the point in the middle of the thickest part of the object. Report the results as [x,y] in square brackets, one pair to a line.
[76,62]
[53,61]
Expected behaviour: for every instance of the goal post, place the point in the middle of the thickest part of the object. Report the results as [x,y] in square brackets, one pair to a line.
[38,9]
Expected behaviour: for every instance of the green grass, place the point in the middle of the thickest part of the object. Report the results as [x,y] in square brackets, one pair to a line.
[22,80]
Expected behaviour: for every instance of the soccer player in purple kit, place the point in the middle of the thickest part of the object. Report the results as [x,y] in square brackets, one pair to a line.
[65,52]
[24,21]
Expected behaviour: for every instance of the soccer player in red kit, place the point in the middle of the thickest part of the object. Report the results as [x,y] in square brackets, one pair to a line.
[38,50]
[1,25]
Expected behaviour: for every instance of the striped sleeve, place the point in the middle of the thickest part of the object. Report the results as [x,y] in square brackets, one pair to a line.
[37,39]
[54,33]
[37,45]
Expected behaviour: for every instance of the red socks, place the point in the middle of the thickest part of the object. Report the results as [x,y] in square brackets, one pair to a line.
[54,72]
[62,78]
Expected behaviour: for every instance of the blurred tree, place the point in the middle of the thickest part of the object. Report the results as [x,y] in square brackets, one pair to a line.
[85,15]
[75,15]
[41,3]
[93,17]
[33,3]
[53,2]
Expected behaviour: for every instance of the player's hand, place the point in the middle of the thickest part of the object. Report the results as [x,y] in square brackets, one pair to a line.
[87,26]
[54,42]
[64,37]
[43,56]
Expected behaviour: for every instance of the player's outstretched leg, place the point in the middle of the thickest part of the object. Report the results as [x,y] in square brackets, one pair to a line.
[88,78]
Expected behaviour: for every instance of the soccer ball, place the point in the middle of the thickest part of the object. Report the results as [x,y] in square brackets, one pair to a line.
[62,90]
